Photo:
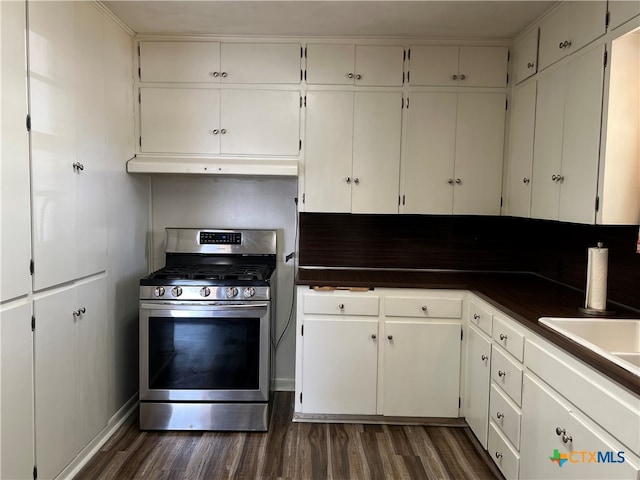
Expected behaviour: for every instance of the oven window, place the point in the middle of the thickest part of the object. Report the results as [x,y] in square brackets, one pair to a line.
[204,354]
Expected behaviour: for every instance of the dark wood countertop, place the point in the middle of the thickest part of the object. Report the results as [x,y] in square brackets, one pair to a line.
[525,297]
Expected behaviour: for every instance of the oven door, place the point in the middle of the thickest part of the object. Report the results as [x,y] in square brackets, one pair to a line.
[213,351]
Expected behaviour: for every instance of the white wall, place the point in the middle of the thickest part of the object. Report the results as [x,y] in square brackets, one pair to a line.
[222,202]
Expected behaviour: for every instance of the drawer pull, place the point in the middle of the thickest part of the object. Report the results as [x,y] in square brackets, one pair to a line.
[498,455]
[499,415]
[560,431]
[424,308]
[390,337]
[374,336]
[476,316]
[501,373]
[341,306]
[567,438]
[503,336]
[484,358]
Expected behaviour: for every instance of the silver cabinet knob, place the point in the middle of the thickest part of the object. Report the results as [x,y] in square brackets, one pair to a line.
[214,74]
[567,438]
[526,180]
[341,306]
[458,181]
[349,75]
[374,336]
[499,415]
[79,311]
[560,431]
[159,291]
[450,181]
[390,337]
[476,316]
[348,179]
[358,77]
[501,373]
[498,455]
[223,74]
[215,131]
[356,181]
[554,178]
[530,65]
[454,77]
[78,167]
[561,178]
[503,336]
[463,77]
[176,291]
[205,291]
[424,308]
[223,131]
[484,358]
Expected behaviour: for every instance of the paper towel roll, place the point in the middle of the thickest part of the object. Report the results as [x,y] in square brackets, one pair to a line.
[596,294]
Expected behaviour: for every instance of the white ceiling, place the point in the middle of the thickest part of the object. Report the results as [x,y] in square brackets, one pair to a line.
[418,18]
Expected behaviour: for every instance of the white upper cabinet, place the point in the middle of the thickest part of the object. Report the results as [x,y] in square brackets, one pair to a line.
[212,121]
[466,66]
[206,62]
[523,116]
[15,230]
[454,155]
[570,27]
[525,53]
[567,140]
[352,161]
[361,65]
[622,10]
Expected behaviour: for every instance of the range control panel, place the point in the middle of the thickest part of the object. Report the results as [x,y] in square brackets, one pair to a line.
[220,238]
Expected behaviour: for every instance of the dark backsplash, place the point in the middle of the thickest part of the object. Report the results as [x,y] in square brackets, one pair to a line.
[552,249]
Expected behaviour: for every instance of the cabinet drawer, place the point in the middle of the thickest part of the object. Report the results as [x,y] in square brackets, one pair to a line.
[507,375]
[505,415]
[480,317]
[340,305]
[503,454]
[423,307]
[508,337]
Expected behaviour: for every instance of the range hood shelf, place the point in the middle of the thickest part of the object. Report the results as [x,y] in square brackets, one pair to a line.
[250,166]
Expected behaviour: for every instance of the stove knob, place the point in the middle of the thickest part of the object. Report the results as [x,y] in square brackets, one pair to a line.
[159,291]
[205,291]
[176,291]
[249,292]
[232,292]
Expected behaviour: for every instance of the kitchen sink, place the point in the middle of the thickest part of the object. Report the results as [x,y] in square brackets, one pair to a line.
[615,339]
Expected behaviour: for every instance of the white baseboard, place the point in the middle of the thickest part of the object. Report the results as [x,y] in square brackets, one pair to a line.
[92,448]
[283,385]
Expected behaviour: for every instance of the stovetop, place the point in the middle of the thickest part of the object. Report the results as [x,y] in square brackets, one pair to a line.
[214,274]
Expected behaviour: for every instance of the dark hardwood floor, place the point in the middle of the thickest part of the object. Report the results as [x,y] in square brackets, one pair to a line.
[293,451]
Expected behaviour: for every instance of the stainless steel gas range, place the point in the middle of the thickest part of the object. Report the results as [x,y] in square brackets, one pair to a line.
[205,331]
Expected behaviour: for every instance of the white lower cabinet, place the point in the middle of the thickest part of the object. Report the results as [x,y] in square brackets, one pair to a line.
[359,355]
[559,442]
[16,361]
[503,454]
[478,380]
[71,386]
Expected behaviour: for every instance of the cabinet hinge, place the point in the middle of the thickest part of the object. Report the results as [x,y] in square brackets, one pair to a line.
[409,55]
[501,202]
[459,402]
[301,51]
[301,74]
[138,49]
[300,145]
[506,104]
[141,141]
[597,203]
[33,323]
[407,102]
[304,195]
[305,52]
[461,334]
[302,331]
[606,57]
[403,78]
[140,97]
[305,75]
[403,199]
[607,19]
[507,79]
[28,122]
[139,74]
[404,56]
[408,76]
[35,473]
[32,267]
[399,200]
[300,397]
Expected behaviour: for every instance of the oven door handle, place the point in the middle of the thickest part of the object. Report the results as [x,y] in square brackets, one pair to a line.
[202,306]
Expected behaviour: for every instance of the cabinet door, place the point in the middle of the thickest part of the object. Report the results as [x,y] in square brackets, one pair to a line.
[56,395]
[478,380]
[483,66]
[553,34]
[15,231]
[339,364]
[16,361]
[421,375]
[260,63]
[581,137]
[53,141]
[91,223]
[526,56]
[586,22]
[92,360]
[479,153]
[330,64]
[621,11]
[547,150]
[247,124]
[179,62]
[329,149]
[542,413]
[433,65]
[179,120]
[523,116]
[430,154]
[376,152]
[378,66]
